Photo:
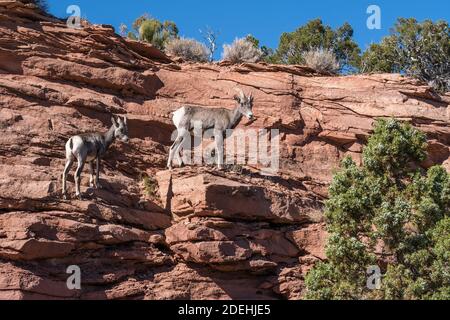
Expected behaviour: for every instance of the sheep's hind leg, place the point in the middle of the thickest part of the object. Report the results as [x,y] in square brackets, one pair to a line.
[67,167]
[179,148]
[81,161]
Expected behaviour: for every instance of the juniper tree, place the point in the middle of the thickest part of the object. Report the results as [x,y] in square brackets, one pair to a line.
[154,31]
[420,50]
[391,213]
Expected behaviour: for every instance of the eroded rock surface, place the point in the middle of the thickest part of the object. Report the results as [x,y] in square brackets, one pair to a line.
[202,234]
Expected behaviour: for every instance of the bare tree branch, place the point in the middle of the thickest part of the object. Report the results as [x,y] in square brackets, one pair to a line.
[210,36]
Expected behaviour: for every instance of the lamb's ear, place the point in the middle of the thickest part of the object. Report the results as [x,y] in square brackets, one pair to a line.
[114,122]
[237,98]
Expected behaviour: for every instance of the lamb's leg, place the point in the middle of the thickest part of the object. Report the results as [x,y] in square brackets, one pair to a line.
[218,137]
[81,161]
[97,174]
[173,149]
[184,135]
[67,167]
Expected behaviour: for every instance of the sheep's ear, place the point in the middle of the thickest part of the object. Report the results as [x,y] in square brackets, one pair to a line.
[237,98]
[114,122]
[125,120]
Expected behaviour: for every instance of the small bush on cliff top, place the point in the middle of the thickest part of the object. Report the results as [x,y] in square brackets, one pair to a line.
[316,35]
[322,60]
[387,213]
[241,50]
[188,49]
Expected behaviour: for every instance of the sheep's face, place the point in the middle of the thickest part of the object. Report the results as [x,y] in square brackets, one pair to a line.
[245,105]
[120,129]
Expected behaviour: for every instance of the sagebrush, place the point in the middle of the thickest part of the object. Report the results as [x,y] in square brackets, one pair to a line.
[241,50]
[322,60]
[188,49]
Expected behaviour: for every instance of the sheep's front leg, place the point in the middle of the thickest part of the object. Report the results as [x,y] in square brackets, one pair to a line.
[218,137]
[97,176]
[175,149]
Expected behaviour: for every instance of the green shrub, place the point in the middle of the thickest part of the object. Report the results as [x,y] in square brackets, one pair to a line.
[153,31]
[157,33]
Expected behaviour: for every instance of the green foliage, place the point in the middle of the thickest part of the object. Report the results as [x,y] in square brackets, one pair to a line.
[157,33]
[392,146]
[381,57]
[132,36]
[150,186]
[316,35]
[250,38]
[138,22]
[421,50]
[154,31]
[266,52]
[387,213]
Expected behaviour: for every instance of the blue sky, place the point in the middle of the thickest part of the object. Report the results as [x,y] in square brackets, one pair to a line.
[266,20]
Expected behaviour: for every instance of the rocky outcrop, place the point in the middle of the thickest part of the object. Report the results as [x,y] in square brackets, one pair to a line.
[204,234]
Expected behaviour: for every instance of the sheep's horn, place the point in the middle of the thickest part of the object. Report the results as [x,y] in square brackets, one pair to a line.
[241,93]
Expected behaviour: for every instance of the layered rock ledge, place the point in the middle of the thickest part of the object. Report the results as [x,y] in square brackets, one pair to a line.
[204,234]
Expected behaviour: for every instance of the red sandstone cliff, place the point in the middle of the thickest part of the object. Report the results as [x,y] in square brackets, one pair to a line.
[206,234]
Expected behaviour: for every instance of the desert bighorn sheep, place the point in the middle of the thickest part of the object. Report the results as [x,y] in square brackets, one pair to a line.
[218,119]
[91,147]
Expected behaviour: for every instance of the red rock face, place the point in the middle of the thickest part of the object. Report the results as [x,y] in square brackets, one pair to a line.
[204,234]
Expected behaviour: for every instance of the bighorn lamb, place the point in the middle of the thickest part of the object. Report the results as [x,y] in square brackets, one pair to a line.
[218,119]
[91,147]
